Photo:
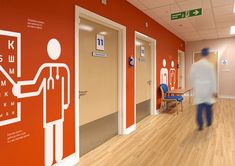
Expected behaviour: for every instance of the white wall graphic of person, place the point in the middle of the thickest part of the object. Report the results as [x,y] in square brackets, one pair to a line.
[164,73]
[172,74]
[49,80]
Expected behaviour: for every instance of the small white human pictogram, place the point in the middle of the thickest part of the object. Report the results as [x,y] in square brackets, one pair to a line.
[164,73]
[172,76]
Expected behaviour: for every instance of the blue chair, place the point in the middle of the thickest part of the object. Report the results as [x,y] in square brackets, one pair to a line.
[167,98]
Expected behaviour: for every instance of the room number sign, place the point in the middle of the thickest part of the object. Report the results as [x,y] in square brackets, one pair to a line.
[100,42]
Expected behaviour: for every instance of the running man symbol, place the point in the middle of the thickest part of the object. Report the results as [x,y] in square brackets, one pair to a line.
[53,81]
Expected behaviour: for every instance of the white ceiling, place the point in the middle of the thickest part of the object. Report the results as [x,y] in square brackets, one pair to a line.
[217,17]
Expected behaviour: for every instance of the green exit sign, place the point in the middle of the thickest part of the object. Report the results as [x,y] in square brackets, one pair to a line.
[186,14]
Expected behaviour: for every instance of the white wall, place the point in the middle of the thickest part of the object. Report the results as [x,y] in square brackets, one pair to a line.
[226,48]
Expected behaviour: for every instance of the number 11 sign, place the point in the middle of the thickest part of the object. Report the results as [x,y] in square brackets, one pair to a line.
[100,42]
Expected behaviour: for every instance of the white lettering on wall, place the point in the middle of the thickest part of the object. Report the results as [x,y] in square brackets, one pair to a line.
[11,71]
[11,58]
[1,58]
[4,83]
[12,103]
[10,45]
[5,94]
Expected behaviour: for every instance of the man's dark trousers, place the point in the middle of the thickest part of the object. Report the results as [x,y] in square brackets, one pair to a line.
[200,108]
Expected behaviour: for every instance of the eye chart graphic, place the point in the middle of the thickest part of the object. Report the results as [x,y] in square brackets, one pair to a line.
[10,71]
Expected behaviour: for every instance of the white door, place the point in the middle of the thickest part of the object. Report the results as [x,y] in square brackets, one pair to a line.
[98,84]
[143,78]
[181,70]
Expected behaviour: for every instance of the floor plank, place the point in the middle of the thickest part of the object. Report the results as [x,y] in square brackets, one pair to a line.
[172,140]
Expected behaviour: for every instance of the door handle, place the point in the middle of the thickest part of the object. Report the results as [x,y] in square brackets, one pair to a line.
[82,93]
[149,82]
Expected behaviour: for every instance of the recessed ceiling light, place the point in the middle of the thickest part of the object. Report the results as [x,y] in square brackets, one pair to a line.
[103,33]
[85,27]
[138,43]
[232,30]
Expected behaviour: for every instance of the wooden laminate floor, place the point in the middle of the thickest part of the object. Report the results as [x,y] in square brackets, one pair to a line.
[172,140]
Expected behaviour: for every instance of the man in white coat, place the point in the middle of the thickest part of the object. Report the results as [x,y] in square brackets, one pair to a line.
[203,80]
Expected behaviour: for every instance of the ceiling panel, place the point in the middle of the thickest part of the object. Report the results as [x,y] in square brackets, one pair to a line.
[209,36]
[193,38]
[223,10]
[150,13]
[222,2]
[156,3]
[215,22]
[207,31]
[201,25]
[138,4]
[190,33]
[166,11]
[224,32]
[194,4]
[225,24]
[225,18]
[182,26]
[203,22]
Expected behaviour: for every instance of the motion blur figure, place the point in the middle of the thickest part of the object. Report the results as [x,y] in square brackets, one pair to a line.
[203,80]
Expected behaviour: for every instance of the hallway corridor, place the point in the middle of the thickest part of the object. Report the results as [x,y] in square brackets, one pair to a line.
[171,140]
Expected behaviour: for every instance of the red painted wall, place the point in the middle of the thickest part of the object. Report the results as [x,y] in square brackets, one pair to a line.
[124,13]
[58,18]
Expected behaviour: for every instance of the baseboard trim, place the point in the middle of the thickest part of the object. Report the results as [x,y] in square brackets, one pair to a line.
[71,160]
[226,97]
[130,129]
[157,112]
[188,95]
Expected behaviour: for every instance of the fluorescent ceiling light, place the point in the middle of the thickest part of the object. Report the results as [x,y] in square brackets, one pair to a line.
[85,27]
[234,6]
[232,30]
[138,43]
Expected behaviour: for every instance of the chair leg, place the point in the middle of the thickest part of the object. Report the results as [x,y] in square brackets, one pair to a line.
[181,106]
[165,105]
[162,106]
[177,109]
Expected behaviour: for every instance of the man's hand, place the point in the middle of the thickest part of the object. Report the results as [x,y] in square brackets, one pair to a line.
[215,95]
[16,90]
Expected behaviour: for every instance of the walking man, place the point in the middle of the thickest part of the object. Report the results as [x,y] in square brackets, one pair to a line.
[203,80]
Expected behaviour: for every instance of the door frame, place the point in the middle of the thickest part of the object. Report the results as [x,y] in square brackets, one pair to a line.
[218,67]
[153,108]
[81,12]
[184,80]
